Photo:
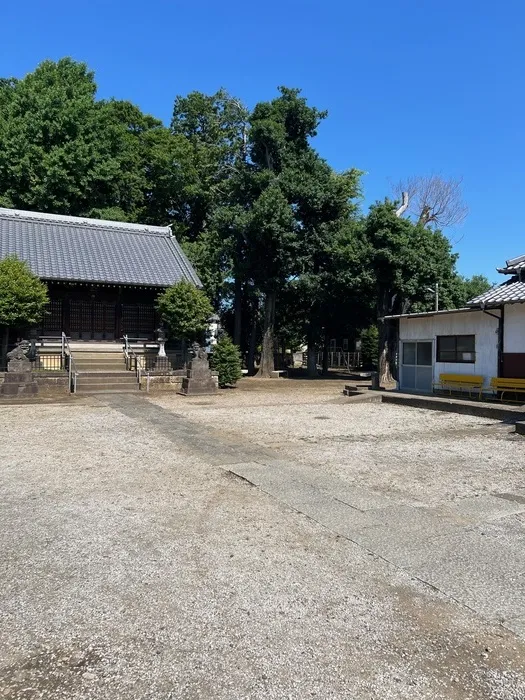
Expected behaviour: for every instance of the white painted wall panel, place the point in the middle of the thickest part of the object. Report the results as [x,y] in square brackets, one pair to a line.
[514,328]
[477,323]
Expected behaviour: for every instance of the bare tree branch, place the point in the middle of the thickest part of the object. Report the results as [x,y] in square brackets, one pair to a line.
[434,200]
[404,204]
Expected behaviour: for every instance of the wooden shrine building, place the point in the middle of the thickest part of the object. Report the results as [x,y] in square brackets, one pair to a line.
[103,276]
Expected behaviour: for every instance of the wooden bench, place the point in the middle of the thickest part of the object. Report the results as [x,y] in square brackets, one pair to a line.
[460,382]
[504,385]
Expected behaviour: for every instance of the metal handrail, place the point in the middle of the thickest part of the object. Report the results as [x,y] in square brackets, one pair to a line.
[72,369]
[133,361]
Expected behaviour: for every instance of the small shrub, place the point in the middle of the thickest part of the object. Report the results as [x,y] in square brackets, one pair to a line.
[185,310]
[226,360]
[369,347]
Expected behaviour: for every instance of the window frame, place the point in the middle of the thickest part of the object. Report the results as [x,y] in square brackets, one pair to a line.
[458,359]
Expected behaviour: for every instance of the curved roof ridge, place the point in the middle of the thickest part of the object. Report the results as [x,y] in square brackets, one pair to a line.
[75,250]
[21,214]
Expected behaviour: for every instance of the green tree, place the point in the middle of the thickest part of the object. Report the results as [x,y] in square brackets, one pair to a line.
[214,131]
[324,204]
[295,206]
[468,288]
[185,310]
[22,298]
[63,151]
[404,259]
[226,360]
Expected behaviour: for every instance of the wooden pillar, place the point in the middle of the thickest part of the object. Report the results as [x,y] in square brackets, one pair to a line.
[118,315]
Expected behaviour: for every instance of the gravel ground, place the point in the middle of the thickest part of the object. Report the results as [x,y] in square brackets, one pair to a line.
[415,455]
[132,568]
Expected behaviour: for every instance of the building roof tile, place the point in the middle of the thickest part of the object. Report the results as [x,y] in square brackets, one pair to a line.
[510,292]
[513,266]
[68,248]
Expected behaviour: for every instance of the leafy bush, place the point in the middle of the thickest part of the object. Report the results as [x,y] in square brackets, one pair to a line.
[185,310]
[369,347]
[22,299]
[226,360]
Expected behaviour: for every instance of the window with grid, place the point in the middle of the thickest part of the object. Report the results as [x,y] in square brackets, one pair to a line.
[456,348]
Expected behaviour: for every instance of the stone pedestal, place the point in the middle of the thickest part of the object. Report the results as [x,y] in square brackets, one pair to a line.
[198,380]
[18,380]
[18,384]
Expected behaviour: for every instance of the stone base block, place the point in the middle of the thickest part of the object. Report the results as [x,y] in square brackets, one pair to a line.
[9,388]
[198,387]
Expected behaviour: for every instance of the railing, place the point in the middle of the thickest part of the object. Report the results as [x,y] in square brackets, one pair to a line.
[142,357]
[337,359]
[70,362]
[49,362]
[134,362]
[47,354]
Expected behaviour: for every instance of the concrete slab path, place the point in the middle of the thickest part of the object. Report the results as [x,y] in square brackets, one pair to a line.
[472,550]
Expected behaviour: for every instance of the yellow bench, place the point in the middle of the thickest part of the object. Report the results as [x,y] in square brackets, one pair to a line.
[504,385]
[460,382]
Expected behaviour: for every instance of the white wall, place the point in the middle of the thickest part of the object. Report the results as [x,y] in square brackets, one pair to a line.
[477,323]
[514,328]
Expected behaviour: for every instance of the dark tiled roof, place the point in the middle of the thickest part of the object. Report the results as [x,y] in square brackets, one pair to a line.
[510,292]
[91,250]
[513,266]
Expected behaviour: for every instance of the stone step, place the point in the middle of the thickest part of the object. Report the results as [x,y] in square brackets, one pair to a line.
[98,356]
[105,373]
[84,346]
[90,379]
[100,366]
[106,387]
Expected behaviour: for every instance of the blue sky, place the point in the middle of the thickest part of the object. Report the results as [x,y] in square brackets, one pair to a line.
[411,86]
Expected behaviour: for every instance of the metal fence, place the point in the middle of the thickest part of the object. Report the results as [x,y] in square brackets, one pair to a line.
[49,362]
[337,359]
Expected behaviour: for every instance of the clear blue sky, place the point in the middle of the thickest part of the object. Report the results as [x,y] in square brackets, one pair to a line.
[411,86]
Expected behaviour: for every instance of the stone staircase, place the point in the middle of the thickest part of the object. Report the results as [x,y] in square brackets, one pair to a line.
[103,373]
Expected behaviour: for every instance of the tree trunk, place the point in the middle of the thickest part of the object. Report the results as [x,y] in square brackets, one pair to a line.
[3,347]
[326,349]
[311,366]
[386,345]
[387,352]
[267,365]
[237,307]
[385,374]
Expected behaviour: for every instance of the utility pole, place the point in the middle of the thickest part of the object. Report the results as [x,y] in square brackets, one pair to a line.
[435,289]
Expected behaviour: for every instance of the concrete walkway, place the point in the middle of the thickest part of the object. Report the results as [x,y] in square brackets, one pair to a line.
[472,551]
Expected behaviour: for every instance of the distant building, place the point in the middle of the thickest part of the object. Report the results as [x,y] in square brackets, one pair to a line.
[103,276]
[486,338]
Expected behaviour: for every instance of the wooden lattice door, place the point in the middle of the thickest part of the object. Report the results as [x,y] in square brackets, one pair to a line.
[92,320]
[52,323]
[138,320]
[103,321]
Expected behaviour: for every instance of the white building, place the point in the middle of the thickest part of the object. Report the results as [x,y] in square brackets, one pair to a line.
[486,338]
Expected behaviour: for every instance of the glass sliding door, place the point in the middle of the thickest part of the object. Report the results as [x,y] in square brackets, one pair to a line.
[416,366]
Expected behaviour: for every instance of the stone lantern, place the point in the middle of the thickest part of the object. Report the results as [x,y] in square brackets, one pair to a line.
[161,340]
[212,334]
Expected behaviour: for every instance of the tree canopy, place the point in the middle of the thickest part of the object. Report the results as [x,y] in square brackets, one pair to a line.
[277,236]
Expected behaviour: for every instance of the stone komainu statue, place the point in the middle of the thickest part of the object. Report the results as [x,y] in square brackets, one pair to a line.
[198,352]
[20,351]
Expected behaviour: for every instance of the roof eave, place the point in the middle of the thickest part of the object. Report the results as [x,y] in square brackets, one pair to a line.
[428,314]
